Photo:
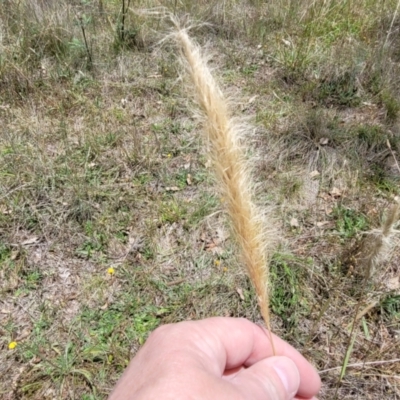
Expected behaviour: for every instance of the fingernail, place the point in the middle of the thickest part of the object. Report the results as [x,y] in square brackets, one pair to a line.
[289,374]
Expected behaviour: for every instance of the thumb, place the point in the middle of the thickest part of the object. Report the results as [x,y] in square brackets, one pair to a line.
[273,378]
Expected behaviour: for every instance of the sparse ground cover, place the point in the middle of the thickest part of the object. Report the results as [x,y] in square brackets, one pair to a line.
[110,221]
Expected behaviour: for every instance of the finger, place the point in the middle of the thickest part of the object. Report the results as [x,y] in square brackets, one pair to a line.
[227,343]
[274,378]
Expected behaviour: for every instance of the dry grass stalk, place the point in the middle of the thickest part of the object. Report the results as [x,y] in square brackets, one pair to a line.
[224,133]
[391,24]
[378,242]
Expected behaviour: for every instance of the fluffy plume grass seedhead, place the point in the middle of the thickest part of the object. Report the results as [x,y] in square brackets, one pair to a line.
[223,133]
[378,243]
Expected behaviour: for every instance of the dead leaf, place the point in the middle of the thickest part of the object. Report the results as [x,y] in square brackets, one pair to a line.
[176,282]
[240,293]
[324,196]
[253,98]
[393,283]
[329,211]
[172,189]
[64,273]
[314,173]
[30,241]
[322,223]
[221,235]
[189,179]
[214,249]
[366,309]
[4,210]
[323,141]
[335,192]
[294,223]
[23,335]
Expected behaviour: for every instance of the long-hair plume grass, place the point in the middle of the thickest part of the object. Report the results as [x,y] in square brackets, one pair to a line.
[223,133]
[377,244]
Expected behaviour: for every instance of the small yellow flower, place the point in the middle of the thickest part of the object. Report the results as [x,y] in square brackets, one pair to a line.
[169,155]
[111,271]
[225,269]
[222,200]
[217,263]
[12,345]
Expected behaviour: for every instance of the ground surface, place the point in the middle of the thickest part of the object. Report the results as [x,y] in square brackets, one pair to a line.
[110,219]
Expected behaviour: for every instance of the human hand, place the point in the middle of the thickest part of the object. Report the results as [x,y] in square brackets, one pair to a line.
[216,358]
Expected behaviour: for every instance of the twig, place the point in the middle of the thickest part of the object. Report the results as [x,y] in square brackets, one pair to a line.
[356,365]
[89,55]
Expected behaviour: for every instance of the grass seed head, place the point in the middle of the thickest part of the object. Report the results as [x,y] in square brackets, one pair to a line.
[224,133]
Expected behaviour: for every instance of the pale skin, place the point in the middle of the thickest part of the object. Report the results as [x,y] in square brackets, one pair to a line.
[217,358]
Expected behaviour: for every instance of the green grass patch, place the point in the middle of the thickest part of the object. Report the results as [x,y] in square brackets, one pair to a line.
[391,306]
[349,222]
[288,296]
